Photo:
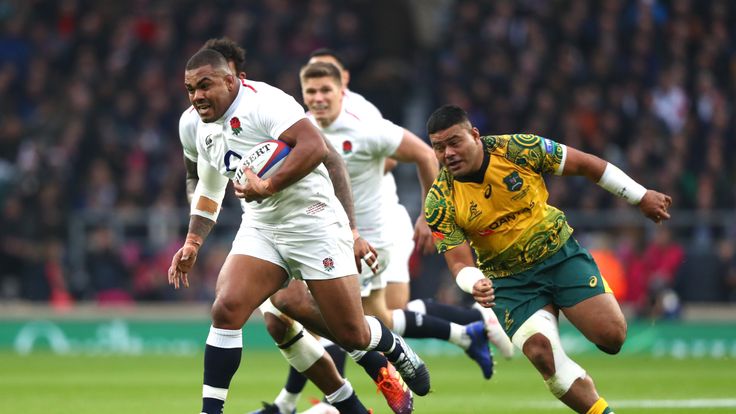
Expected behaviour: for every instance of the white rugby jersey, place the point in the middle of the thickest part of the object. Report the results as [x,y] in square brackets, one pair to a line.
[365,146]
[396,214]
[355,103]
[261,112]
[188,132]
[400,226]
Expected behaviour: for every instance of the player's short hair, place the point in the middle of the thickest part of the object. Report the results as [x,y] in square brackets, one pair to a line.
[445,117]
[323,51]
[228,48]
[206,57]
[320,70]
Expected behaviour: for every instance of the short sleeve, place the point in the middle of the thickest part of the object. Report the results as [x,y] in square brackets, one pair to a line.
[278,113]
[439,212]
[388,137]
[188,133]
[541,155]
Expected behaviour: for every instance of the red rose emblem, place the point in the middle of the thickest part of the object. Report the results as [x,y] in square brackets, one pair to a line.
[235,125]
[347,147]
[328,263]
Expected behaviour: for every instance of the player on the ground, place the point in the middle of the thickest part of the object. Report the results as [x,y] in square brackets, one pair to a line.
[491,193]
[298,346]
[238,115]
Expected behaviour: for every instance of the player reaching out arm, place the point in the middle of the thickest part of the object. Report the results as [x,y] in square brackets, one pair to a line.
[490,193]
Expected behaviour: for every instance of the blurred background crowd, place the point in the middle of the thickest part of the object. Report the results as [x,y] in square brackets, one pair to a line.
[92,196]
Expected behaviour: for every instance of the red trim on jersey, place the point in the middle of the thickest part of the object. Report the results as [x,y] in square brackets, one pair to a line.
[242,81]
[352,114]
[191,108]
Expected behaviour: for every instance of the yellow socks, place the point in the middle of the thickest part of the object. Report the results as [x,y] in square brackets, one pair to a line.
[600,407]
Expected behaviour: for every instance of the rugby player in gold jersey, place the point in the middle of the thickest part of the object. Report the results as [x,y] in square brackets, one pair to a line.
[490,196]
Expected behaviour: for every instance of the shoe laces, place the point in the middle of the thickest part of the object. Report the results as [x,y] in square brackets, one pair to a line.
[392,386]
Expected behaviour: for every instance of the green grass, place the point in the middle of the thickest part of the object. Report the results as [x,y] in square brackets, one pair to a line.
[47,384]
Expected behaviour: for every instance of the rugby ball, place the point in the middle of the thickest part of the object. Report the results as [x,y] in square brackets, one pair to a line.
[264,159]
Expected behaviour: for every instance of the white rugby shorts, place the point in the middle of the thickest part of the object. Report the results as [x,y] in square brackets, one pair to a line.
[369,281]
[314,254]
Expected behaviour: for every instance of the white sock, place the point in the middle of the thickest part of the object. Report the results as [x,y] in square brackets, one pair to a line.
[458,336]
[225,338]
[399,322]
[375,329]
[417,305]
[342,393]
[286,401]
[356,355]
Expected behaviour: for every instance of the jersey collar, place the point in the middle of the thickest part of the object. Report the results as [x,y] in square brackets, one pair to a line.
[479,176]
[231,110]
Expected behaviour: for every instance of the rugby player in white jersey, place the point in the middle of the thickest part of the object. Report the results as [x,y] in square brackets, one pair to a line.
[405,239]
[296,207]
[304,353]
[365,147]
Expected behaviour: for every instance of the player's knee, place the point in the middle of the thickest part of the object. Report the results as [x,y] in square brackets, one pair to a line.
[612,338]
[538,350]
[352,336]
[228,313]
[539,339]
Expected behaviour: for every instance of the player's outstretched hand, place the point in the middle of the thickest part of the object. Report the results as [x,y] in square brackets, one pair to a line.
[483,293]
[254,189]
[363,251]
[423,236]
[654,206]
[181,264]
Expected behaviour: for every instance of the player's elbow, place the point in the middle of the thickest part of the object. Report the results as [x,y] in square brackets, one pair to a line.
[429,162]
[318,152]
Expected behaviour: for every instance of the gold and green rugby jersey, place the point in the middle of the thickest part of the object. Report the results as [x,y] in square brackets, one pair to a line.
[502,211]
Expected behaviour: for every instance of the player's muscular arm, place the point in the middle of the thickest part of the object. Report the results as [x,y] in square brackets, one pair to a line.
[204,208]
[344,193]
[308,150]
[340,180]
[199,229]
[581,163]
[192,177]
[183,260]
[458,258]
[413,149]
[468,277]
[652,204]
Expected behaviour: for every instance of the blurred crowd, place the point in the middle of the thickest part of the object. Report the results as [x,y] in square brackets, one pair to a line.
[91,175]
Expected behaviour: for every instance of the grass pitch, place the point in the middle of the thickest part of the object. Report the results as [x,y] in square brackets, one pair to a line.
[47,384]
